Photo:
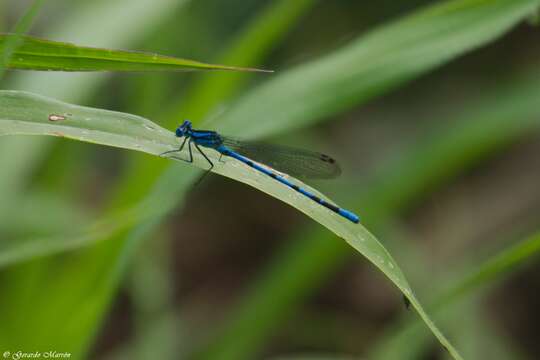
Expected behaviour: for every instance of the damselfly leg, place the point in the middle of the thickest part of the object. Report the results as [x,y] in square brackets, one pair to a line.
[204,155]
[209,161]
[177,150]
[220,156]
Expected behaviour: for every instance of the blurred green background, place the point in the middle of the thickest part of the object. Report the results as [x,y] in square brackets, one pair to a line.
[443,168]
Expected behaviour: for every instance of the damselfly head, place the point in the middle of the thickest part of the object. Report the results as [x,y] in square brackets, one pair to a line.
[183,129]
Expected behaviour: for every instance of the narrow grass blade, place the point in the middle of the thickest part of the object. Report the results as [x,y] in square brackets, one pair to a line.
[373,64]
[113,23]
[466,139]
[28,114]
[23,113]
[92,264]
[511,259]
[171,183]
[41,213]
[408,333]
[76,309]
[13,42]
[46,55]
[20,249]
[251,46]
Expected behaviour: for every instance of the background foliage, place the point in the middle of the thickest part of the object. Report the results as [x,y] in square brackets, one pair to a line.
[433,110]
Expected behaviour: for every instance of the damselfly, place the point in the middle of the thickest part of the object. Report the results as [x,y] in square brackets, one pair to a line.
[295,162]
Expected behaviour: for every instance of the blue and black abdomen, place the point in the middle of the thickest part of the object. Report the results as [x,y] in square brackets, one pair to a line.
[345,213]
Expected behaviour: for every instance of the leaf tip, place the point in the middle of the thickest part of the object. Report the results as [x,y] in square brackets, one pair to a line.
[246,69]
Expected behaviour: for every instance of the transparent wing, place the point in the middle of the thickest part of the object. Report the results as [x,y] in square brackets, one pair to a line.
[295,162]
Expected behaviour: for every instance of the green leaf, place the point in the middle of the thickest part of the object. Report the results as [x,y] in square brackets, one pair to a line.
[241,122]
[165,194]
[373,64]
[121,24]
[454,144]
[29,114]
[40,54]
[495,268]
[23,248]
[14,41]
[40,213]
[251,46]
[408,335]
[113,23]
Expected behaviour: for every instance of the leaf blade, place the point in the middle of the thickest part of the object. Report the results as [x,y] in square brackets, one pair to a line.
[46,55]
[13,42]
[372,65]
[132,132]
